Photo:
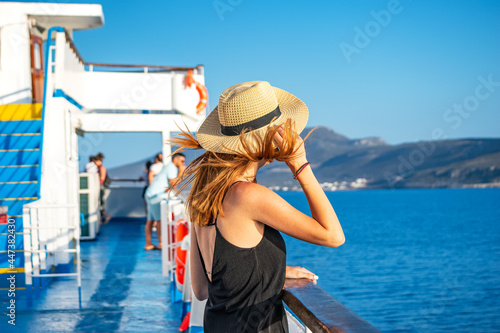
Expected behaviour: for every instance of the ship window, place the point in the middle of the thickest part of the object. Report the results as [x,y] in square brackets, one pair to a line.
[37,55]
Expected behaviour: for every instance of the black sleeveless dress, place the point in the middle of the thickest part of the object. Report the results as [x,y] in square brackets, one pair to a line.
[246,291]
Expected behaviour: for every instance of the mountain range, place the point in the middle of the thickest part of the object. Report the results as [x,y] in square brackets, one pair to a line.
[424,164]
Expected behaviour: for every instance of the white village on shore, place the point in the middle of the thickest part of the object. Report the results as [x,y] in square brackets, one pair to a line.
[327,186]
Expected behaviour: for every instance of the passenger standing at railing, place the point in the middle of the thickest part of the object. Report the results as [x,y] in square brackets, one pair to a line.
[175,169]
[104,184]
[159,190]
[91,167]
[145,177]
[238,257]
[155,168]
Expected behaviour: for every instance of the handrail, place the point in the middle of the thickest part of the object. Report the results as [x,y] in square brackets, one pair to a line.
[73,46]
[80,58]
[36,205]
[126,180]
[319,311]
[170,68]
[39,247]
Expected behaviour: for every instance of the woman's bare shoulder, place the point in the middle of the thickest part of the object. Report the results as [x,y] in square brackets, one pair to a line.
[243,189]
[251,194]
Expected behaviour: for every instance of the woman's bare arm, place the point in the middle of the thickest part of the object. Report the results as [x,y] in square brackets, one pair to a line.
[263,205]
[151,175]
[103,173]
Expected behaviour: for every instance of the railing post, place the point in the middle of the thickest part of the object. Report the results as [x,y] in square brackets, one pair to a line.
[186,287]
[165,235]
[27,255]
[76,237]
[35,248]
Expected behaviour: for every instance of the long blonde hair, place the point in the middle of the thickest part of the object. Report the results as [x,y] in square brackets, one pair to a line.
[211,174]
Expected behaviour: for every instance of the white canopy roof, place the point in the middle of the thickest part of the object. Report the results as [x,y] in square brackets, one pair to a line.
[70,16]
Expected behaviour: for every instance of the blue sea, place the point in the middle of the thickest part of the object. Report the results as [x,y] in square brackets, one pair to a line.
[413,260]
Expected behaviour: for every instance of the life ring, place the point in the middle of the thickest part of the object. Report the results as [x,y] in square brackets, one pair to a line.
[182,231]
[202,91]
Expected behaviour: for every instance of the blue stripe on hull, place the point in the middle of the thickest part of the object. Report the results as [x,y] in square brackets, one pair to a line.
[20,141]
[15,207]
[19,227]
[26,190]
[17,174]
[21,126]
[19,282]
[18,260]
[27,157]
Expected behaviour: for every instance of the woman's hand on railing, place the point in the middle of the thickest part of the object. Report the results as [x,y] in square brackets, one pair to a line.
[296,272]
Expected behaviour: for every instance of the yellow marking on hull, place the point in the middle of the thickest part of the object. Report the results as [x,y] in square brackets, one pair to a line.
[19,166]
[20,182]
[9,150]
[11,270]
[11,112]
[20,134]
[11,251]
[8,233]
[14,199]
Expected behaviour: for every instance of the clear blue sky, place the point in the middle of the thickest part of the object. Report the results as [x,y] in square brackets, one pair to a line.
[397,82]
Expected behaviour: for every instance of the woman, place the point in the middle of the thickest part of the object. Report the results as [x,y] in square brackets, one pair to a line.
[238,257]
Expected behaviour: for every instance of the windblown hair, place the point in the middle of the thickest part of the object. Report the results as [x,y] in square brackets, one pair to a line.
[211,174]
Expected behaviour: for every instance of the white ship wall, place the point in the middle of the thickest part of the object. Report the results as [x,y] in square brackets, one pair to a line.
[59,180]
[15,76]
[125,202]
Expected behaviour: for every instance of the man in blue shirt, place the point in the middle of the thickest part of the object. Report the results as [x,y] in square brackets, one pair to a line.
[157,191]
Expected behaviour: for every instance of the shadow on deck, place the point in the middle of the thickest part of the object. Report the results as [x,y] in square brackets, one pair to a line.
[123,289]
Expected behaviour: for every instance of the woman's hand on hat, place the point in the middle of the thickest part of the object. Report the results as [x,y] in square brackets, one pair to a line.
[299,158]
[296,272]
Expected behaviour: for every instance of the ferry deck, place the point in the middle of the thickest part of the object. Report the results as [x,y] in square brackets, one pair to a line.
[122,289]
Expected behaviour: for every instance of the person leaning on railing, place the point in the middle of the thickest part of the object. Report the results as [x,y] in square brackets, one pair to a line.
[238,257]
[104,181]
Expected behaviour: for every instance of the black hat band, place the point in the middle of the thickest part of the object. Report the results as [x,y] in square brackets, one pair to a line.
[251,125]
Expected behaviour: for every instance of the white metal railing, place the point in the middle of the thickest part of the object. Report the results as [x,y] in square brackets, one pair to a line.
[171,212]
[108,91]
[48,231]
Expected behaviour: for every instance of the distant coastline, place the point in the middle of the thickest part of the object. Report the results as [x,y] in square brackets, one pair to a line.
[345,186]
[343,164]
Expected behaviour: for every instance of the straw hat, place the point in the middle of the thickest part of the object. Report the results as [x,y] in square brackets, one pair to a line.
[251,105]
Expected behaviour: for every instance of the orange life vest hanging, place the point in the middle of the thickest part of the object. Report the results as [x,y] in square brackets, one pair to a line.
[182,231]
[202,91]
